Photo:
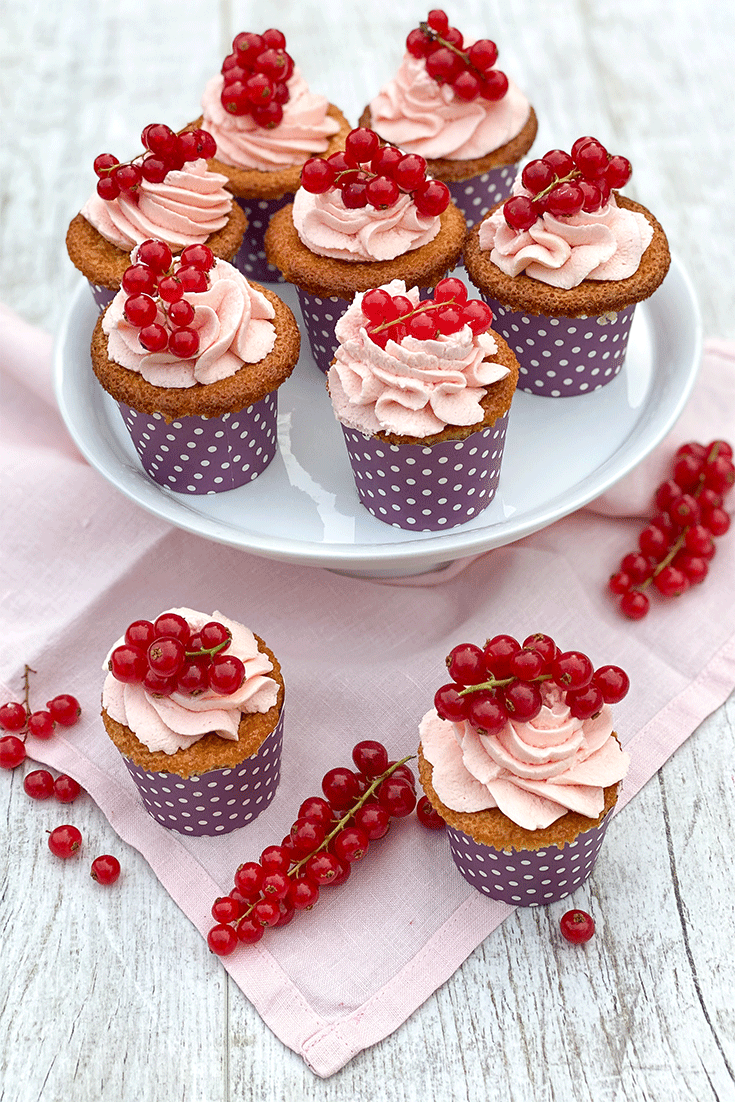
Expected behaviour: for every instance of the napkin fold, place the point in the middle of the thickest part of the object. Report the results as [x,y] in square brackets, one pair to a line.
[360,658]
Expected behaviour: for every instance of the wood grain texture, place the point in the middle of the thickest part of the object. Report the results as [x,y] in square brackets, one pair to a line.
[112,994]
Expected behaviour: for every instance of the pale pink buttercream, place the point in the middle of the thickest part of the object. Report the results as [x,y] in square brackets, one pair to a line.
[534,772]
[564,251]
[415,388]
[415,113]
[304,131]
[233,321]
[176,722]
[329,228]
[185,209]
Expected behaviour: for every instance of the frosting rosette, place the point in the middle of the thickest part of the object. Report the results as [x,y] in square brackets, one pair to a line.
[415,388]
[419,115]
[304,130]
[176,722]
[188,206]
[534,772]
[562,251]
[328,228]
[232,319]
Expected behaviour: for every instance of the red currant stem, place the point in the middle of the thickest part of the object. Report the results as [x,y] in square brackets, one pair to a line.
[574,174]
[494,683]
[422,309]
[436,37]
[22,734]
[342,822]
[208,651]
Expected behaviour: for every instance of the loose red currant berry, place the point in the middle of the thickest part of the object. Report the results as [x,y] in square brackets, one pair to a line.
[370,757]
[577,926]
[13,716]
[64,709]
[12,752]
[222,940]
[39,784]
[64,841]
[427,816]
[105,869]
[634,605]
[397,796]
[66,789]
[41,724]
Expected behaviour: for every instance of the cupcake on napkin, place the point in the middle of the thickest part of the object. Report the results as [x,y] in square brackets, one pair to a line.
[362,218]
[450,104]
[194,354]
[520,759]
[194,703]
[267,123]
[563,264]
[167,193]
[422,390]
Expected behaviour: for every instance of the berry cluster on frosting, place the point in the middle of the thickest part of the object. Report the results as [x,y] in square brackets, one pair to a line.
[567,183]
[393,317]
[368,172]
[503,680]
[255,75]
[167,657]
[470,72]
[156,286]
[167,152]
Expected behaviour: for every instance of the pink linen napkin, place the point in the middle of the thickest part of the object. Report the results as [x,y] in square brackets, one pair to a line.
[361,659]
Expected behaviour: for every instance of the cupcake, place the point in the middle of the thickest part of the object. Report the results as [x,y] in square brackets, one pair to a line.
[562,264]
[422,390]
[194,703]
[520,759]
[194,354]
[361,218]
[449,104]
[168,193]
[266,123]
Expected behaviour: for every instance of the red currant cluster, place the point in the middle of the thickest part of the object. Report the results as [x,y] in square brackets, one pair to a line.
[503,679]
[330,834]
[564,184]
[156,286]
[368,172]
[470,72]
[678,542]
[167,152]
[255,76]
[167,657]
[20,721]
[393,317]
[66,840]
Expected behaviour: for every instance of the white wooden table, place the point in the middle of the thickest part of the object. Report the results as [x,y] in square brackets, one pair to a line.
[98,998]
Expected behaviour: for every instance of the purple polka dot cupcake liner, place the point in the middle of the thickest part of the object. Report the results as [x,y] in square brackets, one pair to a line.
[427,489]
[201,455]
[250,257]
[220,800]
[320,317]
[102,296]
[476,196]
[564,357]
[527,878]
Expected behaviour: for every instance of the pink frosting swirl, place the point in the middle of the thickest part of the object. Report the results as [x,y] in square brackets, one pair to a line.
[184,209]
[563,251]
[234,323]
[415,113]
[415,388]
[304,130]
[176,722]
[534,772]
[328,228]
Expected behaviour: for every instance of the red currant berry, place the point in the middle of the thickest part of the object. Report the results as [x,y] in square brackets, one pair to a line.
[671,582]
[248,879]
[693,566]
[559,162]
[140,634]
[719,474]
[466,664]
[498,652]
[618,171]
[717,521]
[477,315]
[249,931]
[619,583]
[65,709]
[483,54]
[351,844]
[107,189]
[684,510]
[585,703]
[303,893]
[340,787]
[226,674]
[103,163]
[181,314]
[39,784]
[156,254]
[537,176]
[154,169]
[222,940]
[494,85]
[166,656]
[698,540]
[526,664]
[450,705]
[427,816]
[105,869]
[590,157]
[127,177]
[466,86]
[276,885]
[306,836]
[687,471]
[322,868]
[653,543]
[577,926]
[157,685]
[373,819]
[612,682]
[316,810]
[362,144]
[402,771]
[636,566]
[153,338]
[317,175]
[519,212]
[41,724]
[634,605]
[13,716]
[266,912]
[370,758]
[382,192]
[128,664]
[140,310]
[66,789]
[385,160]
[487,712]
[12,752]
[344,869]
[544,645]
[431,198]
[572,670]
[275,859]
[64,841]
[565,200]
[397,796]
[139,279]
[522,701]
[226,909]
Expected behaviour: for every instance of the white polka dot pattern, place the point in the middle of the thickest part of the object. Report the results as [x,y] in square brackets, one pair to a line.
[476,196]
[563,357]
[427,489]
[218,801]
[527,878]
[200,455]
[320,317]
[250,257]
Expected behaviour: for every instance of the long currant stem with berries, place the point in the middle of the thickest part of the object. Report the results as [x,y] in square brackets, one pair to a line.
[677,545]
[20,721]
[167,152]
[393,317]
[469,72]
